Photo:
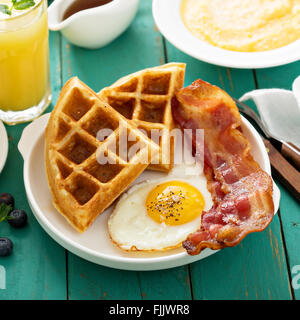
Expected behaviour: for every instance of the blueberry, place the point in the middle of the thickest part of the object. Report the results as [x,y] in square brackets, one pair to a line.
[6,247]
[7,199]
[17,218]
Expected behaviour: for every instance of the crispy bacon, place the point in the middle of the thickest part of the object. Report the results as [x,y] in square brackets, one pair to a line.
[241,190]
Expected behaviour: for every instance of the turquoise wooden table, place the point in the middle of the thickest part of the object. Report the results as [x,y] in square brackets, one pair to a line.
[261,267]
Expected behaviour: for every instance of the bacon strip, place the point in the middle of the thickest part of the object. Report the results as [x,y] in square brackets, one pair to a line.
[241,190]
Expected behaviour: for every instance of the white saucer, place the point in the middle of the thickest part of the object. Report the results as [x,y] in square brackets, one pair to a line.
[3,145]
[166,14]
[94,244]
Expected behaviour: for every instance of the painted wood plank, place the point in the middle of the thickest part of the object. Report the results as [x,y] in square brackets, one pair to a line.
[55,66]
[256,269]
[279,77]
[138,48]
[172,284]
[290,217]
[36,269]
[89,281]
[283,77]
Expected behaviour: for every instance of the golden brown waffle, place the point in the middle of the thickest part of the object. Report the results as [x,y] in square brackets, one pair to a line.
[82,188]
[145,98]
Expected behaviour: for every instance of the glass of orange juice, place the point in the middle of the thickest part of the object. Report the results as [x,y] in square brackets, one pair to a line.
[24,60]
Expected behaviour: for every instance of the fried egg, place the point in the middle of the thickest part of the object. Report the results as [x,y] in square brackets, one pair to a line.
[159,214]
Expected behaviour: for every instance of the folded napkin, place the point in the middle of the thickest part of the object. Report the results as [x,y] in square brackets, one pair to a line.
[279,110]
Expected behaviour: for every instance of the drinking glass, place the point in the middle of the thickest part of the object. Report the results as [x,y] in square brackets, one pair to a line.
[24,65]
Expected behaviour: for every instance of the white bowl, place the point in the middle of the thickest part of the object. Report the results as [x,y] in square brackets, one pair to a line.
[166,14]
[94,244]
[92,28]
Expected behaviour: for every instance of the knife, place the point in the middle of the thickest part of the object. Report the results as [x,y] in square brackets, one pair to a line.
[282,169]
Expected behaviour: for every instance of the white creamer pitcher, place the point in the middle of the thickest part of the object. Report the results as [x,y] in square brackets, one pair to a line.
[92,28]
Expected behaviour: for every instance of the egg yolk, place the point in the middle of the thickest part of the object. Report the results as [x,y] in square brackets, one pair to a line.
[174,203]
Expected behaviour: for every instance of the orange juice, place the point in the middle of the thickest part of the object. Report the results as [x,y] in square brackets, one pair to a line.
[24,61]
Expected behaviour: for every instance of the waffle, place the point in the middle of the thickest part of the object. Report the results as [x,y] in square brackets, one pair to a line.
[145,98]
[83,185]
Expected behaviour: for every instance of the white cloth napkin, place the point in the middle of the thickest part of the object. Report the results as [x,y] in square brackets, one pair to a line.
[279,110]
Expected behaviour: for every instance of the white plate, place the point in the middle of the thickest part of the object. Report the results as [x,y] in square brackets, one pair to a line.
[3,145]
[94,244]
[166,14]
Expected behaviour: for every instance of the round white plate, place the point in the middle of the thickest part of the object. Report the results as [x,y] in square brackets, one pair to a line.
[94,244]
[166,14]
[3,145]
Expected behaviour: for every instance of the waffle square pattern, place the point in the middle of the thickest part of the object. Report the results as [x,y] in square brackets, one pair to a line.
[145,98]
[86,167]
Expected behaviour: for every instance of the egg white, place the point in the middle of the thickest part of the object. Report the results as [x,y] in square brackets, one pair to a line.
[130,227]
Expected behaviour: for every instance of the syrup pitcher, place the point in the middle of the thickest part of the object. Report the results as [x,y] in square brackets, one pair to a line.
[91,24]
